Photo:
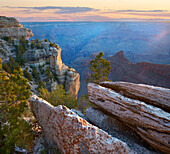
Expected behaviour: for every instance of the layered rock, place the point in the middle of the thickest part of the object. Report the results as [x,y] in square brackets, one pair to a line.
[70,133]
[150,122]
[38,54]
[156,96]
[10,27]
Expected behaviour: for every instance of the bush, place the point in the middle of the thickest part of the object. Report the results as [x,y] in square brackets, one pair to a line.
[32,45]
[11,65]
[58,97]
[20,58]
[35,74]
[84,103]
[7,38]
[48,72]
[27,74]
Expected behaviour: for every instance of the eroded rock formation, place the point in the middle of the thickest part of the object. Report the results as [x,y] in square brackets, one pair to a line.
[70,133]
[150,122]
[156,96]
[37,54]
[10,27]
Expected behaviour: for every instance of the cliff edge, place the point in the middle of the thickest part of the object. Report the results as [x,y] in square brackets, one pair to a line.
[39,58]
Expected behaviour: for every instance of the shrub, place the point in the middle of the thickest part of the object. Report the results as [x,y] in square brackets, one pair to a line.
[27,74]
[58,97]
[7,38]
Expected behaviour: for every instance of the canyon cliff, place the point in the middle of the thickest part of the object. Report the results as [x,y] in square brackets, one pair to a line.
[41,57]
[142,72]
[10,27]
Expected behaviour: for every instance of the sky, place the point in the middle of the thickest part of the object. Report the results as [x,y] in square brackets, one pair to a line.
[86,10]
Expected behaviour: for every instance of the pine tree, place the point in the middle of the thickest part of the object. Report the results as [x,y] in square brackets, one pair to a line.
[14,92]
[100,69]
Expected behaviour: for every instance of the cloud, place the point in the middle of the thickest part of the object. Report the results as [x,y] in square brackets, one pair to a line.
[140,11]
[151,13]
[93,18]
[59,10]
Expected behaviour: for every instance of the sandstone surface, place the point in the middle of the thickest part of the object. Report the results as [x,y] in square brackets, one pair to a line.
[70,133]
[10,27]
[150,122]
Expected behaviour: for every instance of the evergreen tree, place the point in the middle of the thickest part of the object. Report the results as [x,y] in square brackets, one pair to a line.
[11,65]
[100,69]
[35,74]
[48,72]
[27,74]
[14,92]
[19,58]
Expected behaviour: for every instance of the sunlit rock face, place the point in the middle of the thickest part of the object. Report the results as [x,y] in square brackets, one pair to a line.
[12,27]
[38,54]
[70,133]
[137,109]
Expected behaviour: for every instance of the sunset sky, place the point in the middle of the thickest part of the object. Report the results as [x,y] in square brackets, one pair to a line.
[85,10]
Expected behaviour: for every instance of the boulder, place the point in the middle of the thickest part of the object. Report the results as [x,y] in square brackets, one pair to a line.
[150,122]
[70,133]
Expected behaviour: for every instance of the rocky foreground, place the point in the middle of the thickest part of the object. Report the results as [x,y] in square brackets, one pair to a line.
[122,100]
[65,130]
[134,126]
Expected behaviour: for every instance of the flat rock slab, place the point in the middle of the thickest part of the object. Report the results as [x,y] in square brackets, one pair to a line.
[70,133]
[151,123]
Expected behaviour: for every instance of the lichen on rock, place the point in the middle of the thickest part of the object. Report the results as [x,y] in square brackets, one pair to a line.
[70,133]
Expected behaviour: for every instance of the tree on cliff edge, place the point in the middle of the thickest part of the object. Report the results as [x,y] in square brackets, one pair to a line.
[100,69]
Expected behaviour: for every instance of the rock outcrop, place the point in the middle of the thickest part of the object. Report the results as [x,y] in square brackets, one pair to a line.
[156,96]
[150,122]
[37,54]
[70,133]
[10,27]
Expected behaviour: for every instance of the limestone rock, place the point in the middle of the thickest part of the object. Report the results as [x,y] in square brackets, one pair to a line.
[150,122]
[156,96]
[71,134]
[11,27]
